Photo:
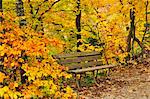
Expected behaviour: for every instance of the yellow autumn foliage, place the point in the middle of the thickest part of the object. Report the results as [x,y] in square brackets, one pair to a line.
[30,70]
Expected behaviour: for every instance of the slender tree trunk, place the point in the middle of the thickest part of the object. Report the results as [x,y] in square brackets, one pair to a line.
[146,19]
[1,59]
[78,24]
[132,18]
[1,10]
[133,28]
[19,72]
[132,37]
[20,12]
[146,27]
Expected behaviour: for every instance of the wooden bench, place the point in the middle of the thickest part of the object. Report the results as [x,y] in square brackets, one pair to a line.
[81,62]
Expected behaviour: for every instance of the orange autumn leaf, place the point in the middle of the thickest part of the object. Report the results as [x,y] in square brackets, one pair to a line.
[2,77]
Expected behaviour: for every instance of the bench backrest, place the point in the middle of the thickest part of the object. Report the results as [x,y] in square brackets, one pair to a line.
[79,59]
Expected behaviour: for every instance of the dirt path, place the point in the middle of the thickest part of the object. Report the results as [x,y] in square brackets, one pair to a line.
[131,82]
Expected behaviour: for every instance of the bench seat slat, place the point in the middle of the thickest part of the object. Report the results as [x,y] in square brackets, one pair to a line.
[79,59]
[83,65]
[75,54]
[91,69]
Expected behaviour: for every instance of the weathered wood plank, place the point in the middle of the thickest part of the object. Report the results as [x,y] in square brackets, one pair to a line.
[83,65]
[79,59]
[91,69]
[75,54]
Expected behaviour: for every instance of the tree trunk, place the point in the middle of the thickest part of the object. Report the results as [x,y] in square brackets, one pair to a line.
[1,10]
[146,20]
[20,12]
[132,37]
[78,24]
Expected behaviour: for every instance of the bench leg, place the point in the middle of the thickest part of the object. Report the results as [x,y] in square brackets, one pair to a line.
[108,72]
[77,81]
[96,74]
[95,79]
[84,74]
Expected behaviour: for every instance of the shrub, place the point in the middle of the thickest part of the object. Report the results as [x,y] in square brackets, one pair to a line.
[27,68]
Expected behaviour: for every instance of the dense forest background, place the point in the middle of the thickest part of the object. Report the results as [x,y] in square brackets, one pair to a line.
[34,30]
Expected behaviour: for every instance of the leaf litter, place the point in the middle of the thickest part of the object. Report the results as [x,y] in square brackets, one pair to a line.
[124,82]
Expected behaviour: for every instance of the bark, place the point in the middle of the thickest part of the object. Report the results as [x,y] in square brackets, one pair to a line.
[1,10]
[20,12]
[132,37]
[78,24]
[131,30]
[146,19]
[1,59]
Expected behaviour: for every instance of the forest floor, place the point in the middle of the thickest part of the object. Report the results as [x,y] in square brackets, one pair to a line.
[125,82]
